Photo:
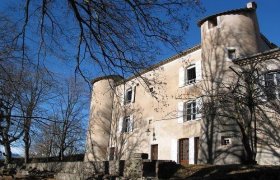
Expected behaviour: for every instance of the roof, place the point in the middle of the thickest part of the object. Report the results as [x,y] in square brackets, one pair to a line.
[270,54]
[121,80]
[224,13]
[271,45]
[115,77]
[170,59]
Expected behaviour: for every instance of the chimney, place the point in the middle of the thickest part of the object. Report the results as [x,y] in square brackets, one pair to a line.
[252,5]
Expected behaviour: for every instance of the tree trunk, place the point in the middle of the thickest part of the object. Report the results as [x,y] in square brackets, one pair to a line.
[61,155]
[49,152]
[26,138]
[210,134]
[26,148]
[8,153]
[249,155]
[210,131]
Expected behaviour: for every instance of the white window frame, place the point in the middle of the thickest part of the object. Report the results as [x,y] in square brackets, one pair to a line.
[276,84]
[127,101]
[195,111]
[183,71]
[226,140]
[127,124]
[187,80]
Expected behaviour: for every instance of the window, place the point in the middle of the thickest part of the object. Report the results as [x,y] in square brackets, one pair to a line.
[127,125]
[190,111]
[212,22]
[190,75]
[231,53]
[128,96]
[225,140]
[272,85]
[111,153]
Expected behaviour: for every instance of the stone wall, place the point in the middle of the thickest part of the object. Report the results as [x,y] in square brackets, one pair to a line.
[71,170]
[133,168]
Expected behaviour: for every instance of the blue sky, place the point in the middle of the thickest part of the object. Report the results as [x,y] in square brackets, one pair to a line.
[267,12]
[268,15]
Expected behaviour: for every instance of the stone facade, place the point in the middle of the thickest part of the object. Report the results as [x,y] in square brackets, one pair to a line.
[160,112]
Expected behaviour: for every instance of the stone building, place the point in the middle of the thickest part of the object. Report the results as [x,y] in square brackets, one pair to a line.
[162,111]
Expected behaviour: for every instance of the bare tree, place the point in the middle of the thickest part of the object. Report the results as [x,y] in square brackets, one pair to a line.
[7,32]
[249,101]
[10,85]
[243,98]
[43,141]
[10,126]
[116,37]
[66,134]
[35,90]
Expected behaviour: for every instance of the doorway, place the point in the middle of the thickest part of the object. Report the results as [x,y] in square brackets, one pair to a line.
[111,153]
[184,151]
[154,152]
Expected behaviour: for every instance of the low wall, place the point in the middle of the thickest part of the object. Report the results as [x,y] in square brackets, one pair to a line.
[136,168]
[74,167]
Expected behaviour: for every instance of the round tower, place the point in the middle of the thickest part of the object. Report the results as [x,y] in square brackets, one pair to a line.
[224,36]
[230,34]
[100,118]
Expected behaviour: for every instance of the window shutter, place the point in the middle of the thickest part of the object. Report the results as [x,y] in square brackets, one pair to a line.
[122,96]
[120,125]
[191,150]
[131,123]
[181,76]
[198,70]
[173,152]
[198,107]
[262,88]
[133,94]
[180,112]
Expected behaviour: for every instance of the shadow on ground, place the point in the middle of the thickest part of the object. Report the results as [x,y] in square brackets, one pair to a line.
[227,172]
